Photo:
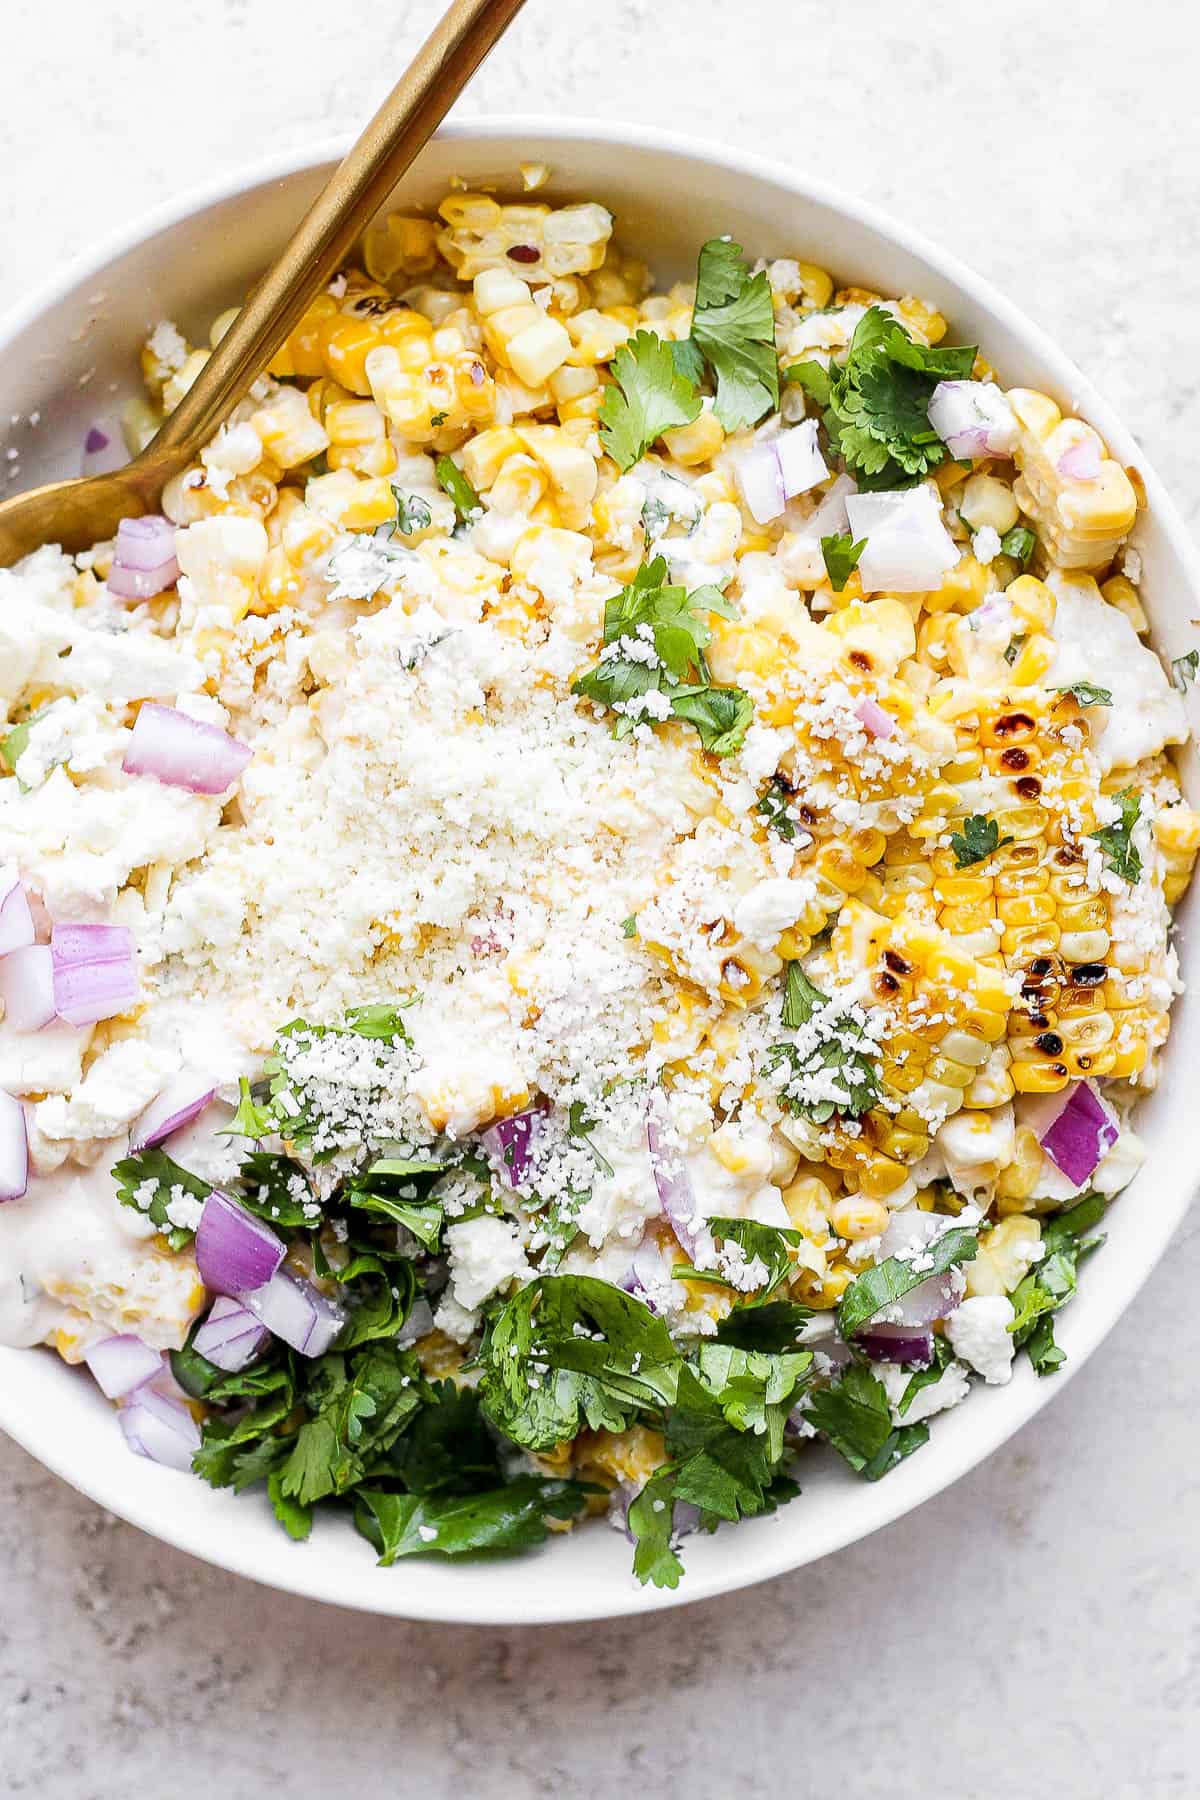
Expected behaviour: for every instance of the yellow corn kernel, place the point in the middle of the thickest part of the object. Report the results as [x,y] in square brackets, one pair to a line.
[923,321]
[987,501]
[1032,601]
[698,442]
[855,1217]
[1033,659]
[290,434]
[1120,592]
[571,469]
[399,245]
[484,455]
[300,353]
[180,380]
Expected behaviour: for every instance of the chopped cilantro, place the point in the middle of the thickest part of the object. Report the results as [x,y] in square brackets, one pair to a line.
[1183,670]
[733,330]
[766,1245]
[1015,648]
[929,1376]
[648,396]
[1052,1281]
[412,513]
[979,837]
[655,636]
[1116,840]
[832,1068]
[438,418]
[629,926]
[889,1280]
[813,377]
[1019,543]
[14,743]
[773,803]
[510,1517]
[453,482]
[841,555]
[1086,693]
[252,1119]
[170,1183]
[877,414]
[800,998]
[854,1414]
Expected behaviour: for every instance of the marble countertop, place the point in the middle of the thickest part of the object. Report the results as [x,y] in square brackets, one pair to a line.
[1035,1628]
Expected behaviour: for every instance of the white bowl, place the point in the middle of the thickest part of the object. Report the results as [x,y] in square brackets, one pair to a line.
[70,355]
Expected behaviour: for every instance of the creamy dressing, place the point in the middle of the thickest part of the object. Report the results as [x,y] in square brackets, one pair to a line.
[1097,643]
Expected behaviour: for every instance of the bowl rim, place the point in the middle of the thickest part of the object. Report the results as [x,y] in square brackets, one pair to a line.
[1088,1326]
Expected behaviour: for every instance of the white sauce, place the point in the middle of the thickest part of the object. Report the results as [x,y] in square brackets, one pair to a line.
[1097,643]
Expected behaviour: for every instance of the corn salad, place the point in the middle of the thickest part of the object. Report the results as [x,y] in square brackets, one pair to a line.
[590,903]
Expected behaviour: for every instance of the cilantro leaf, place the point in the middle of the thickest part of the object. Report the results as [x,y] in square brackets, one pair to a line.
[511,1517]
[733,327]
[295,1518]
[891,1279]
[1183,670]
[647,397]
[1116,840]
[276,1189]
[774,803]
[133,1174]
[1019,543]
[381,1021]
[929,1376]
[854,1414]
[651,1521]
[841,555]
[629,926]
[1086,693]
[453,482]
[1051,1282]
[800,998]
[877,416]
[771,1325]
[719,1464]
[722,716]
[412,513]
[358,1406]
[448,1447]
[252,1118]
[979,837]
[813,377]
[655,636]
[766,1245]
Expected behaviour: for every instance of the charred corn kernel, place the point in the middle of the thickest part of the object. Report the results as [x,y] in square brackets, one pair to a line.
[289,433]
[1120,592]
[400,245]
[482,236]
[698,442]
[1081,501]
[987,501]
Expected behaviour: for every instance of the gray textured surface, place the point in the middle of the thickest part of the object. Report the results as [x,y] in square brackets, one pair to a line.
[1034,1630]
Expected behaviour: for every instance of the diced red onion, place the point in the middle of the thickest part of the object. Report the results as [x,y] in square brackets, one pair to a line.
[235,1252]
[418,1324]
[16,920]
[972,418]
[294,1311]
[121,1364]
[775,470]
[875,722]
[671,1178]
[27,987]
[183,752]
[896,1343]
[510,1142]
[160,1429]
[909,550]
[1081,1133]
[231,1336]
[95,441]
[95,972]
[14,1148]
[760,478]
[102,451]
[178,1104]
[1082,461]
[932,1299]
[144,563]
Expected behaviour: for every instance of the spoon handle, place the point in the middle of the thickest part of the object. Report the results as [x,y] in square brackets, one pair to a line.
[355,191]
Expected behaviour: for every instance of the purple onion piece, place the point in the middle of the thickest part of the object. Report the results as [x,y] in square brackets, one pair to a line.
[16,919]
[160,1429]
[182,1100]
[231,1336]
[510,1142]
[172,747]
[1081,1134]
[896,1344]
[675,1192]
[121,1364]
[294,1311]
[95,972]
[27,987]
[235,1252]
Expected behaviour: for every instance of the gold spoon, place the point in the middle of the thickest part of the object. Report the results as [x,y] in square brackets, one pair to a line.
[79,513]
